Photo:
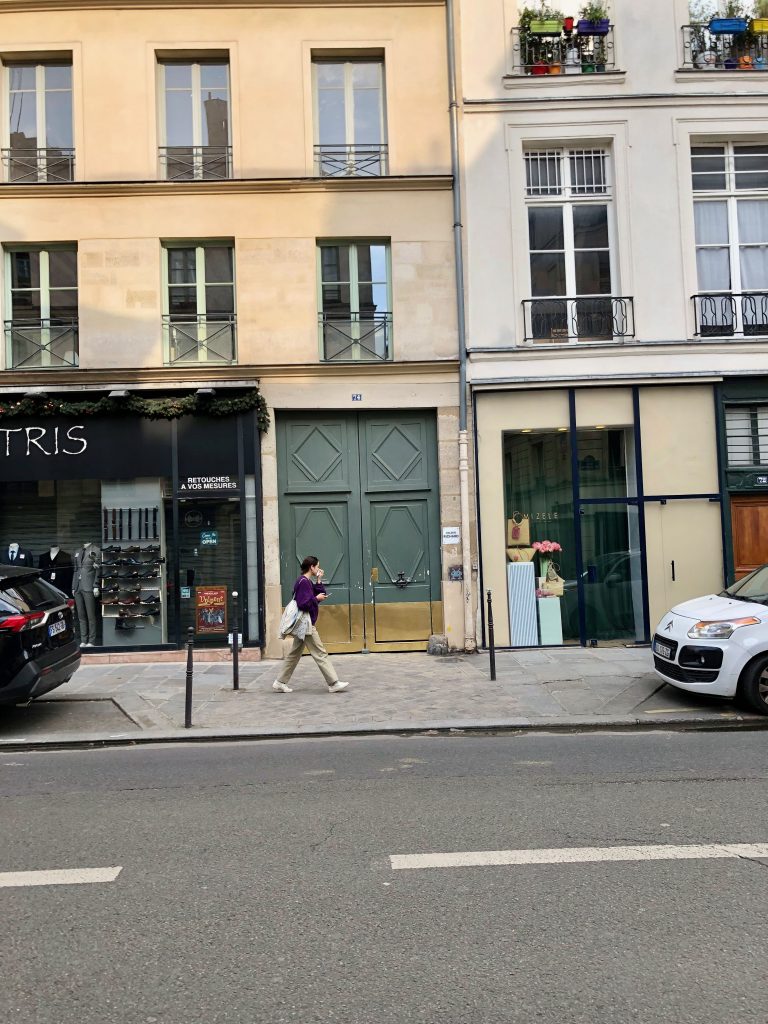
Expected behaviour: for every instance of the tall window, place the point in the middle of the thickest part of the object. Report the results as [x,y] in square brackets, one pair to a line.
[38,146]
[355,302]
[568,195]
[350,130]
[200,319]
[42,331]
[195,120]
[730,185]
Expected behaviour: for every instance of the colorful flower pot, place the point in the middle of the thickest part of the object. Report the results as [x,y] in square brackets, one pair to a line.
[546,27]
[554,68]
[759,25]
[594,28]
[727,26]
[540,68]
[568,24]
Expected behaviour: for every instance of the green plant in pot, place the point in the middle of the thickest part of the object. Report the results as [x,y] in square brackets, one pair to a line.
[594,20]
[759,23]
[548,21]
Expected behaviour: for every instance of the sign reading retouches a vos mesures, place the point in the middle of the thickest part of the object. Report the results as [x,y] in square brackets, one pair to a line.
[26,441]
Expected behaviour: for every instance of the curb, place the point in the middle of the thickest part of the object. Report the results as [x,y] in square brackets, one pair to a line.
[521,726]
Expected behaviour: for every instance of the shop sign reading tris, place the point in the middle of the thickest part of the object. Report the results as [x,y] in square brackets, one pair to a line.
[46,440]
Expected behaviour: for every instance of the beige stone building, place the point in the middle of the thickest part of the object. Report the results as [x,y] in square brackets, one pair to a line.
[201,204]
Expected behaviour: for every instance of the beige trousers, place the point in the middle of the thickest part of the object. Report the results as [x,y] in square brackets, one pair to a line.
[314,645]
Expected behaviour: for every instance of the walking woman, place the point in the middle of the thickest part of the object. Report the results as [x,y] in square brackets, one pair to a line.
[308,590]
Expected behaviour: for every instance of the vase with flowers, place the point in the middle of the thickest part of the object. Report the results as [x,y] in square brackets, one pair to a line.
[545,549]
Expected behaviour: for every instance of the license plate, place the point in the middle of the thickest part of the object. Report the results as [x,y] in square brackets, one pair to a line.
[57,627]
[662,649]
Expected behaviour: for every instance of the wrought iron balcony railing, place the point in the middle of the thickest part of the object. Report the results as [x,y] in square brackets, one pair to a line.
[200,339]
[356,337]
[196,163]
[566,54]
[731,314]
[41,344]
[584,318]
[735,51]
[35,166]
[351,161]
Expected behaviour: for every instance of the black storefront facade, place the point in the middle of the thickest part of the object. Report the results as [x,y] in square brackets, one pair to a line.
[166,511]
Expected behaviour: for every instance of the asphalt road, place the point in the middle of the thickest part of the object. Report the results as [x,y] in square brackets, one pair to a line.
[256,883]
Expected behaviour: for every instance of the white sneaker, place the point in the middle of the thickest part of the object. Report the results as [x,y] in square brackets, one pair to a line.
[337,687]
[279,687]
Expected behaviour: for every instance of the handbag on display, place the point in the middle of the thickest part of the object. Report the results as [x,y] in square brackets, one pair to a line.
[520,554]
[554,582]
[519,532]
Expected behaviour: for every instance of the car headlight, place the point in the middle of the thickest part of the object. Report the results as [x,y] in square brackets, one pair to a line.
[720,630]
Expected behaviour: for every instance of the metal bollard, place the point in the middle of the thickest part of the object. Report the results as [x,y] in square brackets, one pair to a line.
[235,644]
[491,638]
[190,669]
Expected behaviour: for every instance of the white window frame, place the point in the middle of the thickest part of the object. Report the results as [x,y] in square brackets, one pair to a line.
[351,245]
[568,195]
[731,196]
[45,293]
[197,107]
[200,297]
[349,105]
[40,115]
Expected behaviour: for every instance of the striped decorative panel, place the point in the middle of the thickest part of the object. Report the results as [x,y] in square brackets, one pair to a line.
[521,587]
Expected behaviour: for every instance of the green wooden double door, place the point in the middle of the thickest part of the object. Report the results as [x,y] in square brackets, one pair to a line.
[360,491]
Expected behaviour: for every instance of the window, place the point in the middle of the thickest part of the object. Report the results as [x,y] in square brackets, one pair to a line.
[730,185]
[42,331]
[195,120]
[355,302]
[568,194]
[38,146]
[200,319]
[350,132]
[746,431]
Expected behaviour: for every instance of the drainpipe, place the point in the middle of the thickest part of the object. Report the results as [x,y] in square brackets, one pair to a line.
[466,526]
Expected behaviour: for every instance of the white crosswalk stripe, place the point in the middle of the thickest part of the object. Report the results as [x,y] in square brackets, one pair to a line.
[76,876]
[576,855]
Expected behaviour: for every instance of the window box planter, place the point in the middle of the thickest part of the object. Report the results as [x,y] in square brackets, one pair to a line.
[727,26]
[546,27]
[759,26]
[593,28]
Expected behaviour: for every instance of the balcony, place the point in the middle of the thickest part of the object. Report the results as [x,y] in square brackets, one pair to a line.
[566,54]
[36,166]
[356,337]
[351,161]
[731,314]
[196,163]
[200,339]
[584,318]
[41,344]
[734,51]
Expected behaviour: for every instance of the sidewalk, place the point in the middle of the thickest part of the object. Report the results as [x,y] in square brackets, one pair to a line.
[611,687]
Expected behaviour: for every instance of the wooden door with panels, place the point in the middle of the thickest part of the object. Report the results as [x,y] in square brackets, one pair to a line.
[749,527]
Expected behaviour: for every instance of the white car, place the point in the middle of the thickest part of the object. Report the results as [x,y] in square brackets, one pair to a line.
[718,644]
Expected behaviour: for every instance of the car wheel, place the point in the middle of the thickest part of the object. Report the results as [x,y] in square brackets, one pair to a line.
[753,686]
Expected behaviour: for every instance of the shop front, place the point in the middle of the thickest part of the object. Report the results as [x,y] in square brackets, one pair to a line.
[600,508]
[151,525]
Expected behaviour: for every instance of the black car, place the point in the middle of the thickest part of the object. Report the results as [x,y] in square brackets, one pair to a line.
[38,647]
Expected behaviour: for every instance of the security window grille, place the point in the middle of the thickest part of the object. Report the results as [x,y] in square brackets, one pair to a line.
[201,303]
[355,303]
[350,128]
[577,172]
[39,139]
[730,183]
[746,431]
[195,132]
[42,330]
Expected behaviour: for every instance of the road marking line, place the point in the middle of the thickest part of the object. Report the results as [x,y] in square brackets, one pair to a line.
[575,855]
[77,876]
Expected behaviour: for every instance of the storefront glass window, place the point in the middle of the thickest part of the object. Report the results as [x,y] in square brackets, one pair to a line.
[606,463]
[612,572]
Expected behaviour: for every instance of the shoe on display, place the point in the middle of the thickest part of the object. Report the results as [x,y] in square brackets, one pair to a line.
[83,643]
[130,576]
[151,549]
[279,687]
[90,645]
[113,549]
[337,687]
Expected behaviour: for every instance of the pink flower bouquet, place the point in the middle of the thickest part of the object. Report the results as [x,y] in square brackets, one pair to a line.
[546,547]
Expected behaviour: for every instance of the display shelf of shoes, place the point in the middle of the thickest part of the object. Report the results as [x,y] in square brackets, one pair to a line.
[125,590]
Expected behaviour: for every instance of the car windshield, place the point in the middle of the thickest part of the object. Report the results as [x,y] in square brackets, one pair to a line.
[753,587]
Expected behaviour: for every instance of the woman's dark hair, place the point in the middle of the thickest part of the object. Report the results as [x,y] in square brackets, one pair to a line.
[309,563]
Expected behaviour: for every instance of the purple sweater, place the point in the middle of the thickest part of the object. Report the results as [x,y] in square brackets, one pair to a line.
[306,596]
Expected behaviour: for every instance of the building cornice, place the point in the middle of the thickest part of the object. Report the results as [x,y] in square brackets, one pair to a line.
[238,186]
[33,6]
[169,378]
